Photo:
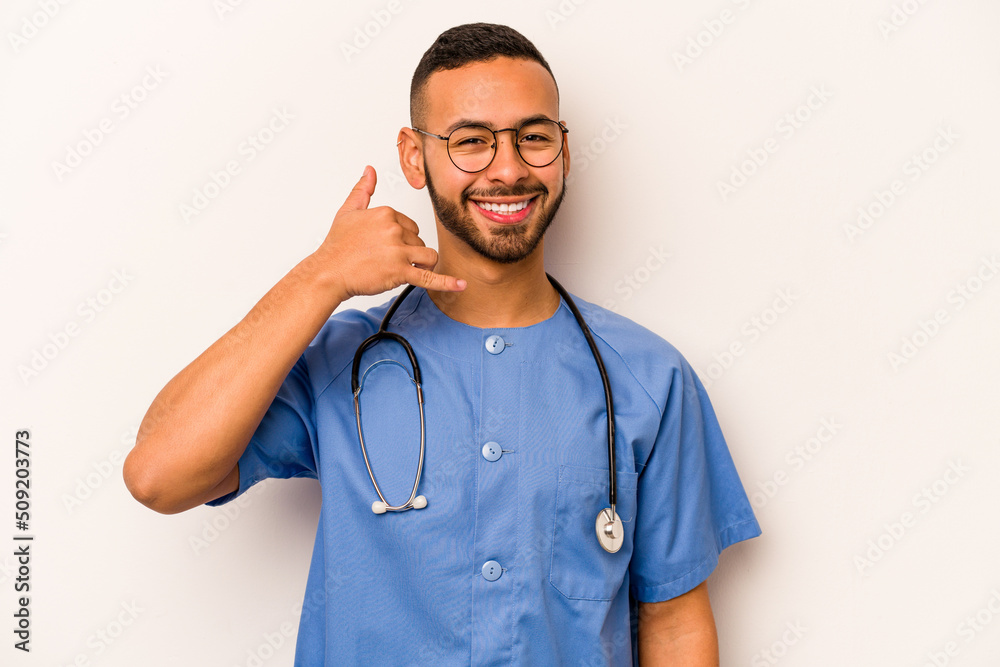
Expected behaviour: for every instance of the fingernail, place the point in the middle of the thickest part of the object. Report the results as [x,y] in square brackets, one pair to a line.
[461,283]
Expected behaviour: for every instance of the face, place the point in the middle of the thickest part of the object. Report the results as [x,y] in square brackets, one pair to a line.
[499,94]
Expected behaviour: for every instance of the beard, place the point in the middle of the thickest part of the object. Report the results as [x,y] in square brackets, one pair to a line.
[504,244]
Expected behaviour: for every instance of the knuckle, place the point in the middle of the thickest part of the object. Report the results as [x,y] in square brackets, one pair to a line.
[382,212]
[426,276]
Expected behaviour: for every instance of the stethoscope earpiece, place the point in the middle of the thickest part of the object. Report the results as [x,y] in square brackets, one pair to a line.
[379,507]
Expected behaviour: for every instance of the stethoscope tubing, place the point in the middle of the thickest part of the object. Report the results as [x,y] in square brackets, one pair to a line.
[382,334]
[356,387]
[608,400]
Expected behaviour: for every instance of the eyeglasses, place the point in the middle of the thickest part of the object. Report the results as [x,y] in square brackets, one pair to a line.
[473,147]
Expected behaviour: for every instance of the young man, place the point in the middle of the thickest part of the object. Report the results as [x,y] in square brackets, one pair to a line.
[504,564]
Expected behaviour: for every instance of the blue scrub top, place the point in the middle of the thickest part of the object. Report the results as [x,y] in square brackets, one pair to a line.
[503,566]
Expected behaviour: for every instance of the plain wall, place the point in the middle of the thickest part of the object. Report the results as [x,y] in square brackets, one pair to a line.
[821,177]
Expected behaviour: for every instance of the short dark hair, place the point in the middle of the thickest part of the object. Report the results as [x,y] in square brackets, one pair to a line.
[469,43]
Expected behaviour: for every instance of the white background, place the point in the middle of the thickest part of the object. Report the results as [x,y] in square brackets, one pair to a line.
[663,103]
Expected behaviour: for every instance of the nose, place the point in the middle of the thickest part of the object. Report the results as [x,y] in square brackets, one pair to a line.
[507,165]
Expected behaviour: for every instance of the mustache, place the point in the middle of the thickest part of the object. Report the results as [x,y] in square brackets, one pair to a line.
[515,191]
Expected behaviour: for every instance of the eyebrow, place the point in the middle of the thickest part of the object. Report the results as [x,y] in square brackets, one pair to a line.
[472,121]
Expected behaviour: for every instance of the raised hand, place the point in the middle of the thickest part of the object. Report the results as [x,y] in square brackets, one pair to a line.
[373,250]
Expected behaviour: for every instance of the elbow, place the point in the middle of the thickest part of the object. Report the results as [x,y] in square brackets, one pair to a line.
[146,486]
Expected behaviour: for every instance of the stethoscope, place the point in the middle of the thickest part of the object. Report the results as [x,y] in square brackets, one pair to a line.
[609,529]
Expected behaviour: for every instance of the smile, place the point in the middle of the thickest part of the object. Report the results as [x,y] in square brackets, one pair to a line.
[506,212]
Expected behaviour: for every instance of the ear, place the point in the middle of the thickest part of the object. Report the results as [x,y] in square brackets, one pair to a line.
[411,157]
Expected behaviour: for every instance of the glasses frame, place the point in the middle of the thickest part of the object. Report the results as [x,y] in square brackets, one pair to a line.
[496,142]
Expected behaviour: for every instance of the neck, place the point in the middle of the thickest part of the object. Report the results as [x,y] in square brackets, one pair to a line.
[497,295]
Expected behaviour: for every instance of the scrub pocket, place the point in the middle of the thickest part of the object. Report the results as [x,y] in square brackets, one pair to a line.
[580,568]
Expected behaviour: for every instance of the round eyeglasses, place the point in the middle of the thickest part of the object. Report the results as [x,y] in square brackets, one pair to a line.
[473,147]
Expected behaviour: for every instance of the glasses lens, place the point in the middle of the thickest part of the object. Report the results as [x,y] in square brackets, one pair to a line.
[471,147]
[540,142]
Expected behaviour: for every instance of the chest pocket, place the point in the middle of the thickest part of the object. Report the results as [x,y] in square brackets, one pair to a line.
[580,568]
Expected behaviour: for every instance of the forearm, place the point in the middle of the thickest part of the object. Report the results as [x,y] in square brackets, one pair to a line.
[198,426]
[679,631]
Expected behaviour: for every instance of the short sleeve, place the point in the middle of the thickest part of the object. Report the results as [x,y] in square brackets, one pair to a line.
[284,444]
[691,503]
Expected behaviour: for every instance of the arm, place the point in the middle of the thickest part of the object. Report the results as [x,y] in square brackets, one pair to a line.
[680,631]
[198,426]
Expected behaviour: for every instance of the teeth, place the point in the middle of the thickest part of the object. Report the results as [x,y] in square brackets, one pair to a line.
[503,208]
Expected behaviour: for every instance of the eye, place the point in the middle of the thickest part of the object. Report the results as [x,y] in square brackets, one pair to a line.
[470,141]
[539,133]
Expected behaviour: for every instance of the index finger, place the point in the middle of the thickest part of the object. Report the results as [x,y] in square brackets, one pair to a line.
[435,282]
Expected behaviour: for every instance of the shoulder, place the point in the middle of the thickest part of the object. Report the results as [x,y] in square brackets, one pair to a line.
[653,362]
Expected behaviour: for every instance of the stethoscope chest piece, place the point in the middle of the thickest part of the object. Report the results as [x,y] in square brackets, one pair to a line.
[610,532]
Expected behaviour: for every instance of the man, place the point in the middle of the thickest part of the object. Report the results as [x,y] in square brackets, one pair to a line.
[503,565]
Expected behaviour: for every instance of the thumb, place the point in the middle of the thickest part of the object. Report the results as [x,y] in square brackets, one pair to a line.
[362,192]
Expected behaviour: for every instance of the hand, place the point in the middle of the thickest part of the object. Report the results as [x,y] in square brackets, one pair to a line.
[370,251]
